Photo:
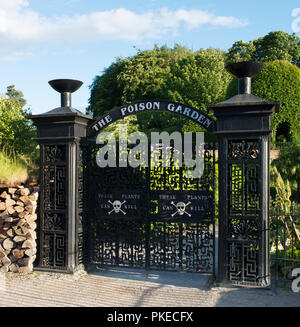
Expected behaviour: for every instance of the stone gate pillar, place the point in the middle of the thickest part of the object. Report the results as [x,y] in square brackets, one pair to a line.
[59,225]
[243,130]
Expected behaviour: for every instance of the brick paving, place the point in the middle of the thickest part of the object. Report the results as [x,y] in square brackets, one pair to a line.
[132,288]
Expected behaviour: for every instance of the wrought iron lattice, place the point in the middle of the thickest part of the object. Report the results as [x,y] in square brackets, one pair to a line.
[152,217]
[52,228]
[244,230]
[82,215]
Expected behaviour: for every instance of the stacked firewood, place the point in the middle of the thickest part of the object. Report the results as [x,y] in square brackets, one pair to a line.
[17,229]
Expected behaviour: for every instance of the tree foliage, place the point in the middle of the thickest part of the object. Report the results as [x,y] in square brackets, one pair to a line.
[106,91]
[16,131]
[276,45]
[288,165]
[195,78]
[15,96]
[280,81]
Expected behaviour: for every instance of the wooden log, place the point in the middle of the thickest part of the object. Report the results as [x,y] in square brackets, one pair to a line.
[19,239]
[10,210]
[7,252]
[24,198]
[4,195]
[25,229]
[19,209]
[8,244]
[28,244]
[26,225]
[27,201]
[30,209]
[2,206]
[15,196]
[8,220]
[14,267]
[9,202]
[31,217]
[23,191]
[21,222]
[32,203]
[20,203]
[20,186]
[10,232]
[4,269]
[34,196]
[23,214]
[12,190]
[32,225]
[31,235]
[18,253]
[19,232]
[5,261]
[30,252]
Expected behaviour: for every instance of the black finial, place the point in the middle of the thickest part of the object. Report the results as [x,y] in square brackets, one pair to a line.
[65,87]
[244,71]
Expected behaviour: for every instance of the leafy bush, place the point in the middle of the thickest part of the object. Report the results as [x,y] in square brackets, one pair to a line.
[18,150]
[288,165]
[195,78]
[16,132]
[277,45]
[280,81]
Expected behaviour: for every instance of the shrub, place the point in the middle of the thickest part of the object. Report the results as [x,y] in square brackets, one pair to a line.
[280,81]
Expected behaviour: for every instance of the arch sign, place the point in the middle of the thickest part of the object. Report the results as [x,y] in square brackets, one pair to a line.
[191,113]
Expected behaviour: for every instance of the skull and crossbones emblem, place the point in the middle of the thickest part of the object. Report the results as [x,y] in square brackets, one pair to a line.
[181,208]
[117,207]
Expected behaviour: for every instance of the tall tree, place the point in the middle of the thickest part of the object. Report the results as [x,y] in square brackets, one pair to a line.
[280,80]
[16,96]
[179,74]
[16,131]
[277,45]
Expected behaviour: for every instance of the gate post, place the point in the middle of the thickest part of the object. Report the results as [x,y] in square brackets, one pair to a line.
[59,232]
[243,130]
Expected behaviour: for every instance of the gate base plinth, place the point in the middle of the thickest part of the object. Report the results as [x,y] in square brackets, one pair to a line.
[80,269]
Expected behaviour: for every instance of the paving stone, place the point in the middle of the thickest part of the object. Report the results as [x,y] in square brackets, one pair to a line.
[132,288]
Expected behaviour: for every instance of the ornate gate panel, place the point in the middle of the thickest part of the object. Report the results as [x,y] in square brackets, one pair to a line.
[153,218]
[244,210]
[53,219]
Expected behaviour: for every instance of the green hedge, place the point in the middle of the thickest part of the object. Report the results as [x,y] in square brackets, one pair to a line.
[280,81]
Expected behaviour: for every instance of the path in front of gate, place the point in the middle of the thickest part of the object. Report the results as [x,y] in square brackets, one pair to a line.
[132,288]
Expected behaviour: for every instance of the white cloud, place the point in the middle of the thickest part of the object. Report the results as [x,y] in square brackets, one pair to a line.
[22,27]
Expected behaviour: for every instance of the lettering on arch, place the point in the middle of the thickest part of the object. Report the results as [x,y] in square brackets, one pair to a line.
[186,111]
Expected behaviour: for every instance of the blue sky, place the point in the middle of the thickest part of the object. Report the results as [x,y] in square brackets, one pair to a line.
[48,39]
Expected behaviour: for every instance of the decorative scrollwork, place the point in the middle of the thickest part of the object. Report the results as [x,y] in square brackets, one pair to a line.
[243,229]
[54,153]
[243,149]
[54,221]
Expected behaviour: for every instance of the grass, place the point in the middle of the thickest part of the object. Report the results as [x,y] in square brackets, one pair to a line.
[13,170]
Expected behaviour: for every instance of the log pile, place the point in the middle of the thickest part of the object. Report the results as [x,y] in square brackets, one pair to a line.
[17,229]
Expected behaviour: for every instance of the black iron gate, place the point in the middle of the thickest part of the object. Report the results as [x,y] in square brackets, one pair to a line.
[167,221]
[152,217]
